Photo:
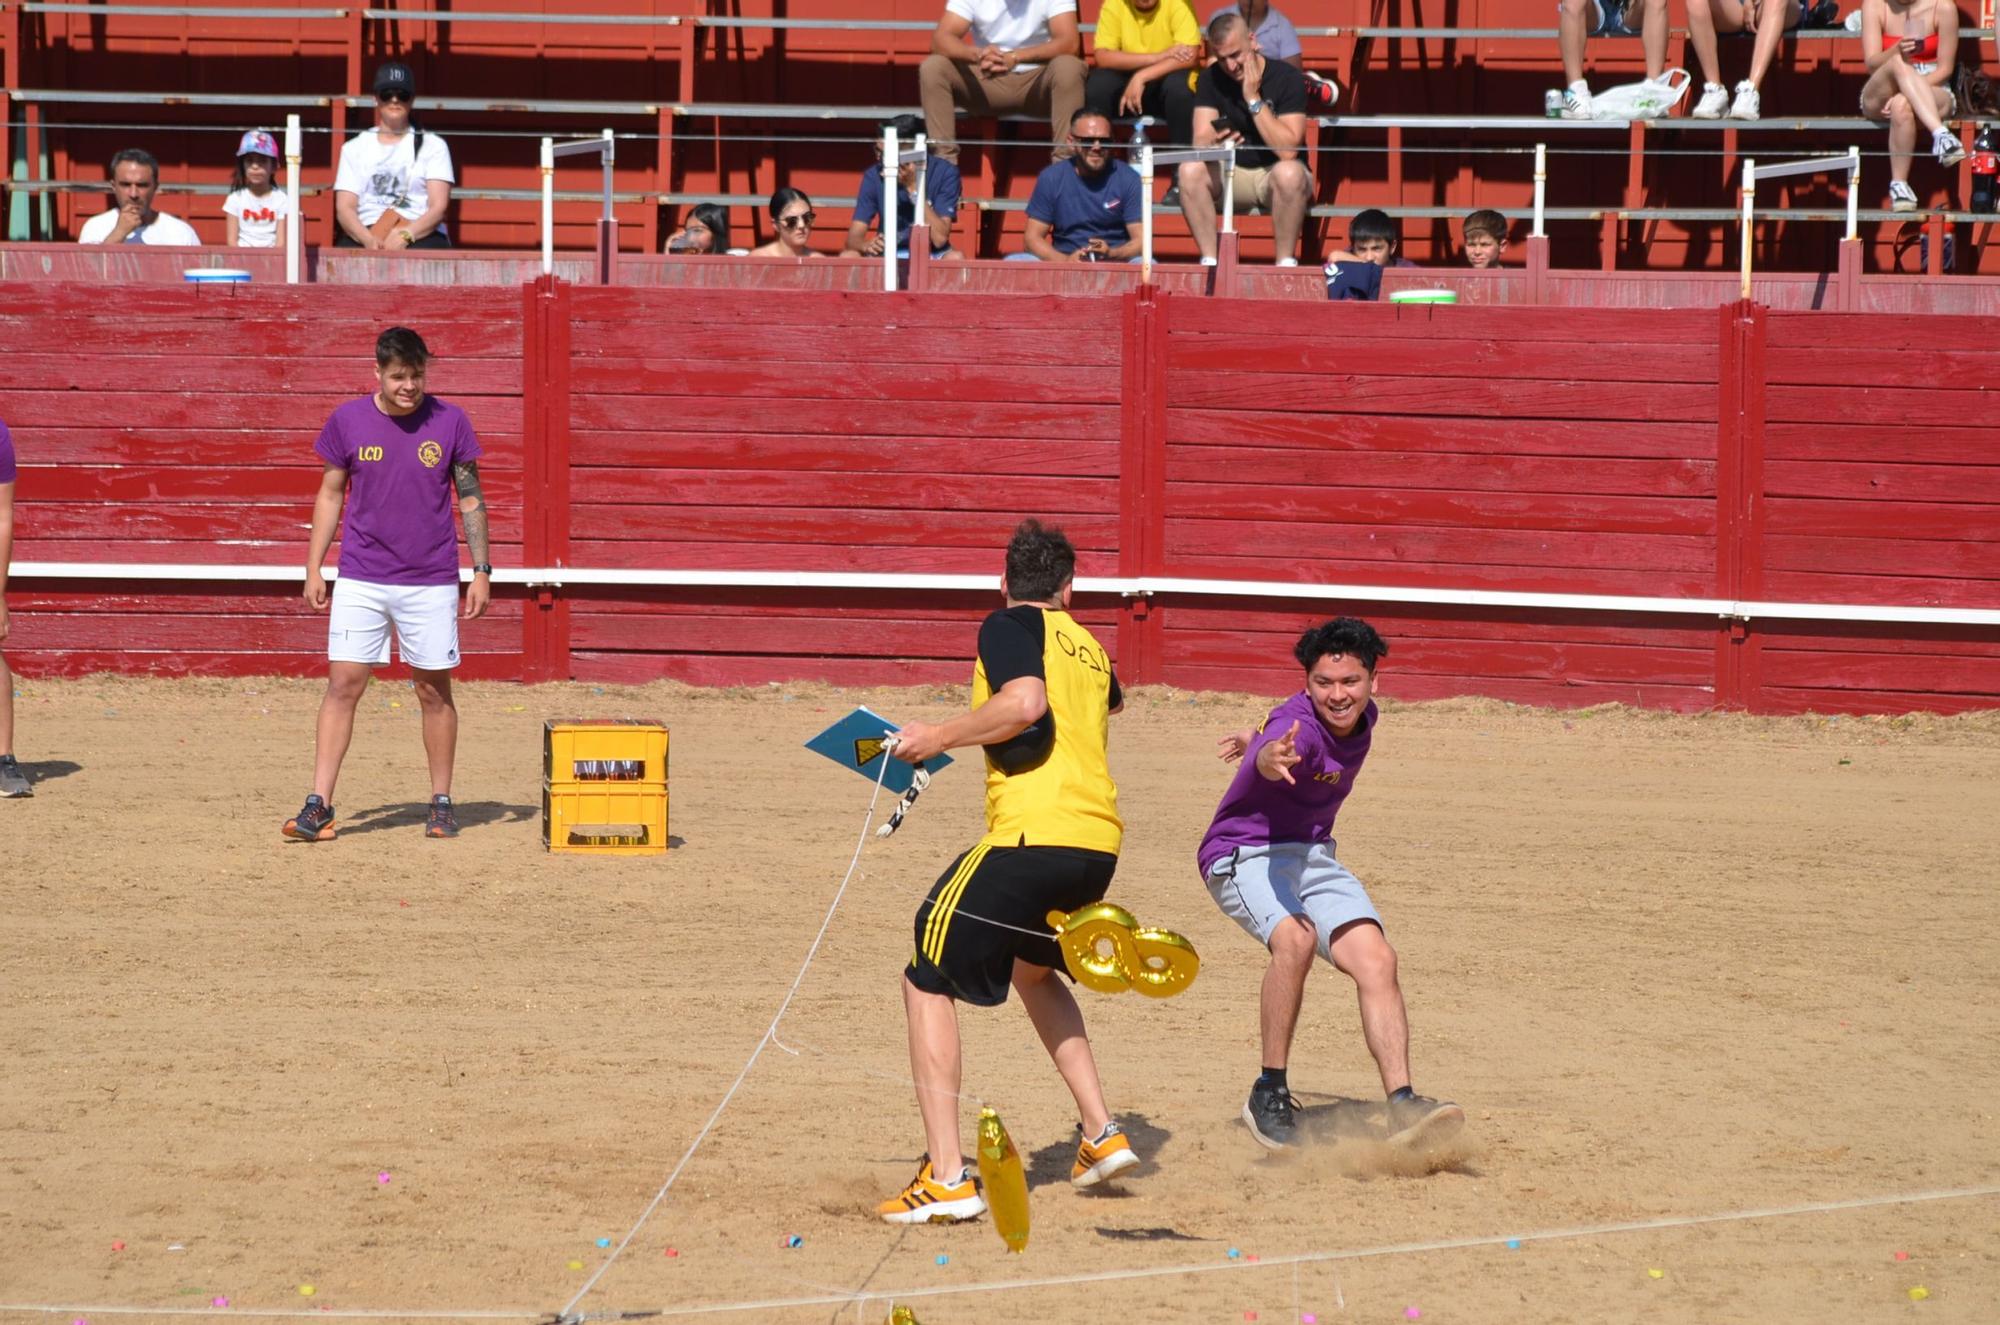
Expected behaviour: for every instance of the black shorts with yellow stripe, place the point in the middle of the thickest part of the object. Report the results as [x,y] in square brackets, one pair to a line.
[969,930]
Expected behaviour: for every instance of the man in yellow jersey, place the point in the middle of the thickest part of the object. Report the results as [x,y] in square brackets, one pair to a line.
[1042,699]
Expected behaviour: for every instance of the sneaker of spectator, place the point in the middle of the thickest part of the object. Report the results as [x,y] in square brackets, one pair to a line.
[1902,198]
[1002,57]
[1767,22]
[1579,20]
[1714,101]
[1259,105]
[1485,237]
[942,189]
[135,178]
[1144,52]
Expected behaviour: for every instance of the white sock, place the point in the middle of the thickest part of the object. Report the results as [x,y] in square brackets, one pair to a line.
[1288,262]
[1580,87]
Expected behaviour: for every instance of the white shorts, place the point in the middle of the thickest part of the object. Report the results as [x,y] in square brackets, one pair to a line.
[1258,887]
[425,617]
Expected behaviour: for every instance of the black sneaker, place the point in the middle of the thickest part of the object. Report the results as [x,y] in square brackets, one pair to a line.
[314,823]
[1417,1122]
[13,782]
[443,821]
[1172,197]
[1272,1116]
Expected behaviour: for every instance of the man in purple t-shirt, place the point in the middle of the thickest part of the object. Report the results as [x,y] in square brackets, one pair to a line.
[1268,860]
[13,782]
[393,461]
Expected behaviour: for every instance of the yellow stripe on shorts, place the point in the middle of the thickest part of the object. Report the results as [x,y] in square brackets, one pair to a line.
[947,902]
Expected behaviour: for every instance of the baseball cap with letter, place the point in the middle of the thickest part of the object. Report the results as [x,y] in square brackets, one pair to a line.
[395,77]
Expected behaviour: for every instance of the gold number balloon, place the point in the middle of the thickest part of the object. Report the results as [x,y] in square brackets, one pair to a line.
[1106,951]
[1005,1181]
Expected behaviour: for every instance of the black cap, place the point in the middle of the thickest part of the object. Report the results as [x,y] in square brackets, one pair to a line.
[395,77]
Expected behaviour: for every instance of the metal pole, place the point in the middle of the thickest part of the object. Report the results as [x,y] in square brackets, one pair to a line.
[1853,192]
[295,231]
[1749,205]
[548,206]
[921,219]
[891,172]
[1541,188]
[610,154]
[1146,214]
[1229,192]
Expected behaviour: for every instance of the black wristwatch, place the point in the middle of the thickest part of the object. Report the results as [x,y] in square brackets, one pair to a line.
[482,568]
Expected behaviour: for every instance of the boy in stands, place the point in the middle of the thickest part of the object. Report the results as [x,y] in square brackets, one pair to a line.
[1485,234]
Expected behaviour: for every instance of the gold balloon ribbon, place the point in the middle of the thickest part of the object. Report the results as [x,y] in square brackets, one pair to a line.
[1107,950]
[1005,1182]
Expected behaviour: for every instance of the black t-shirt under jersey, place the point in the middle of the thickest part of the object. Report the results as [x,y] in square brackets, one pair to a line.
[1283,86]
[1012,642]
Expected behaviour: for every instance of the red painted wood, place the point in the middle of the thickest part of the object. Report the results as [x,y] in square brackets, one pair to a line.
[114,336]
[1867,554]
[292,486]
[1523,579]
[844,379]
[1875,699]
[1333,323]
[283,526]
[944,418]
[1413,469]
[1446,356]
[670,342]
[1883,480]
[884,492]
[285,449]
[1880,590]
[1063,457]
[1806,515]
[1464,508]
[273,380]
[1831,440]
[755,526]
[1272,682]
[1353,393]
[558,514]
[230,413]
[756,669]
[1322,433]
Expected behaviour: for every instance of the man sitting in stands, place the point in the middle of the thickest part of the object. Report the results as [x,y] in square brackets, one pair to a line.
[1002,57]
[1144,51]
[1085,209]
[941,193]
[1259,104]
[135,178]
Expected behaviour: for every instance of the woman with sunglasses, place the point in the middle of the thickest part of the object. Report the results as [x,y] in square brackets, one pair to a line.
[793,212]
[394,182]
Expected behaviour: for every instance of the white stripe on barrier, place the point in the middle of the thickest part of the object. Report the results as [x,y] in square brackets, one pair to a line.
[558,577]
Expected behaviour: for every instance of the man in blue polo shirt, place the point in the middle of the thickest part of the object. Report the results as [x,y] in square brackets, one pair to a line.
[942,189]
[1086,208]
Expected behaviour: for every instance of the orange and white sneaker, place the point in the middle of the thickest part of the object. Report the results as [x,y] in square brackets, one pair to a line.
[1109,1155]
[928,1201]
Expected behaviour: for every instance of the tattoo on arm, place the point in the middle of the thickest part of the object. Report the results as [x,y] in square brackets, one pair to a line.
[472,507]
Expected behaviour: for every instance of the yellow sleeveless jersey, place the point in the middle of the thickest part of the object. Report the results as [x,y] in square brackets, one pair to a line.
[1051,785]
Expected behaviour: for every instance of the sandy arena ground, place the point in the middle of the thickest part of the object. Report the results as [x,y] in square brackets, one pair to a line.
[1673,967]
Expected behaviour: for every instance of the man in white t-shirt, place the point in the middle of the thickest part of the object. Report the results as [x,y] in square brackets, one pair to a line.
[135,178]
[394,182]
[1002,57]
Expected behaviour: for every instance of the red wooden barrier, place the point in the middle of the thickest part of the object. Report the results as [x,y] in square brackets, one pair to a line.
[1736,455]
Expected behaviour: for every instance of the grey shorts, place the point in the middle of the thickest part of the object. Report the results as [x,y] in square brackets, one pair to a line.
[1258,887]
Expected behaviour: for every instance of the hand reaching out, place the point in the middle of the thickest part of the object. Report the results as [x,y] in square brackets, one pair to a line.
[1276,758]
[1233,746]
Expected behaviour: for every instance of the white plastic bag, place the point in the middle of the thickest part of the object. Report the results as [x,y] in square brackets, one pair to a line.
[1641,101]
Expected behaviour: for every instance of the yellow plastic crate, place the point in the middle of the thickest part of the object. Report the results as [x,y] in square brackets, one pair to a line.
[604,818]
[631,751]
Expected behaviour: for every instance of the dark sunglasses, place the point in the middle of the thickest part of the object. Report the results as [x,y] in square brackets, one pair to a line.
[803,220]
[398,97]
[1093,144]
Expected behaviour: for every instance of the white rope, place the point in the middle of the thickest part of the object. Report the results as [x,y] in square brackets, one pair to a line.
[769,1035]
[1358,1253]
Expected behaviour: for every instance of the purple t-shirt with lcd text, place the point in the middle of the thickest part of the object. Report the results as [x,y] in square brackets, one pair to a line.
[1258,812]
[6,455]
[398,525]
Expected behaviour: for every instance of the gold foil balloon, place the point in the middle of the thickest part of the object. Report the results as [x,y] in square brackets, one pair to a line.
[1006,1183]
[1167,963]
[1104,951]
[903,1316]
[1094,940]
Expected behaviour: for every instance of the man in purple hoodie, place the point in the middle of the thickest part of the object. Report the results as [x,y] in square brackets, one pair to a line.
[1268,860]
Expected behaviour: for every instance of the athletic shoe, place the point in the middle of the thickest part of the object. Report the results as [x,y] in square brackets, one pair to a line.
[1749,103]
[1272,1116]
[1576,104]
[1902,198]
[1321,92]
[1714,100]
[314,823]
[443,821]
[1419,1123]
[13,782]
[1106,1157]
[1172,197]
[928,1201]
[1948,149]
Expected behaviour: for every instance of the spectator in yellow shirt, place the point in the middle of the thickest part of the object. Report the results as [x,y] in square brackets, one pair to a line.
[1142,56]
